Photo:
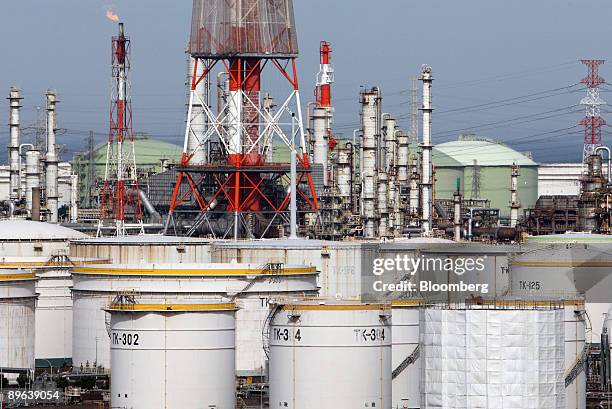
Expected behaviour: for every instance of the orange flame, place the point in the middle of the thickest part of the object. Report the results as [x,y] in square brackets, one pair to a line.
[112,16]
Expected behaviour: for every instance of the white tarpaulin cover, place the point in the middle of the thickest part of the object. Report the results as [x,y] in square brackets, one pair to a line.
[503,359]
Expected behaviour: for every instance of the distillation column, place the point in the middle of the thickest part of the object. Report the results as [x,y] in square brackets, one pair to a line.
[426,171]
[414,194]
[458,222]
[32,175]
[515,205]
[370,102]
[51,160]
[13,148]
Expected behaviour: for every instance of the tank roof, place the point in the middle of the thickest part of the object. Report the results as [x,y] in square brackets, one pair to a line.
[171,307]
[486,152]
[194,269]
[571,237]
[142,240]
[27,230]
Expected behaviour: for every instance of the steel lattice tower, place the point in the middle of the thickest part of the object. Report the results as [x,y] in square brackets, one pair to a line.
[120,209]
[238,191]
[592,122]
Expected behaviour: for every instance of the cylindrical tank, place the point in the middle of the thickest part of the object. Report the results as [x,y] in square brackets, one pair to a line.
[574,323]
[17,327]
[330,355]
[172,356]
[25,238]
[494,355]
[406,364]
[251,285]
[143,249]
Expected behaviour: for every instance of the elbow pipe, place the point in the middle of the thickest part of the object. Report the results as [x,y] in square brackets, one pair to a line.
[605,148]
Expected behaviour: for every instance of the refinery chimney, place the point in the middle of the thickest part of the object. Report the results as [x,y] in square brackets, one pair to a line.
[199,103]
[426,168]
[13,148]
[322,114]
[51,160]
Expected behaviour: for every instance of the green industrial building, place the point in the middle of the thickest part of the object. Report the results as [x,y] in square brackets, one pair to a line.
[150,153]
[484,168]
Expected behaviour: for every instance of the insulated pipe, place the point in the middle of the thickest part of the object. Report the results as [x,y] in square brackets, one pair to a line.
[199,121]
[605,148]
[320,119]
[32,175]
[51,160]
[144,199]
[426,171]
[13,148]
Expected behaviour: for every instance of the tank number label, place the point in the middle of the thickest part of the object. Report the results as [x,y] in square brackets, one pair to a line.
[530,285]
[284,334]
[369,334]
[126,339]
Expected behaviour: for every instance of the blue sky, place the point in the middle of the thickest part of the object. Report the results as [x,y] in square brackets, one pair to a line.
[481,51]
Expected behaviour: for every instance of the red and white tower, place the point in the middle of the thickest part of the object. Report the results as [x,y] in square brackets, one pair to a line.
[592,122]
[322,114]
[238,192]
[120,210]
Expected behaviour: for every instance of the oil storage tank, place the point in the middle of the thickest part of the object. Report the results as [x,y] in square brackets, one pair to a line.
[143,249]
[340,264]
[406,364]
[251,286]
[493,355]
[25,238]
[566,266]
[172,355]
[328,355]
[17,327]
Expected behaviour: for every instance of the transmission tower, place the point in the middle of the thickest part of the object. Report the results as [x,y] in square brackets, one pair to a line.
[592,121]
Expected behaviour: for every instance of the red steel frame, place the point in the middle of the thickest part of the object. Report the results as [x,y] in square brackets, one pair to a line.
[120,191]
[241,187]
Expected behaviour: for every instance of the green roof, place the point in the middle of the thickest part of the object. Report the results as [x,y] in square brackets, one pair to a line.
[148,152]
[464,152]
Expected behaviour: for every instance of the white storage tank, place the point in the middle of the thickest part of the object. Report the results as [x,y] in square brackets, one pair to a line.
[566,266]
[250,285]
[340,263]
[53,307]
[330,355]
[172,356]
[496,355]
[25,238]
[17,328]
[143,249]
[406,365]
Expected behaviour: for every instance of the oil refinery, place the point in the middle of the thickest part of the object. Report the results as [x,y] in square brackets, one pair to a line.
[281,258]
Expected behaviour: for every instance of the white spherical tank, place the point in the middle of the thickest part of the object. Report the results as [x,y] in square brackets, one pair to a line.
[406,364]
[249,285]
[496,355]
[172,356]
[330,356]
[17,327]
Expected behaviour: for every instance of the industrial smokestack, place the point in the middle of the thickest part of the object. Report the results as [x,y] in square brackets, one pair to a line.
[13,148]
[32,175]
[51,160]
[426,170]
[515,205]
[370,103]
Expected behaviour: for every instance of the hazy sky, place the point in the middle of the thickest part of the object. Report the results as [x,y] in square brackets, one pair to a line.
[481,51]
